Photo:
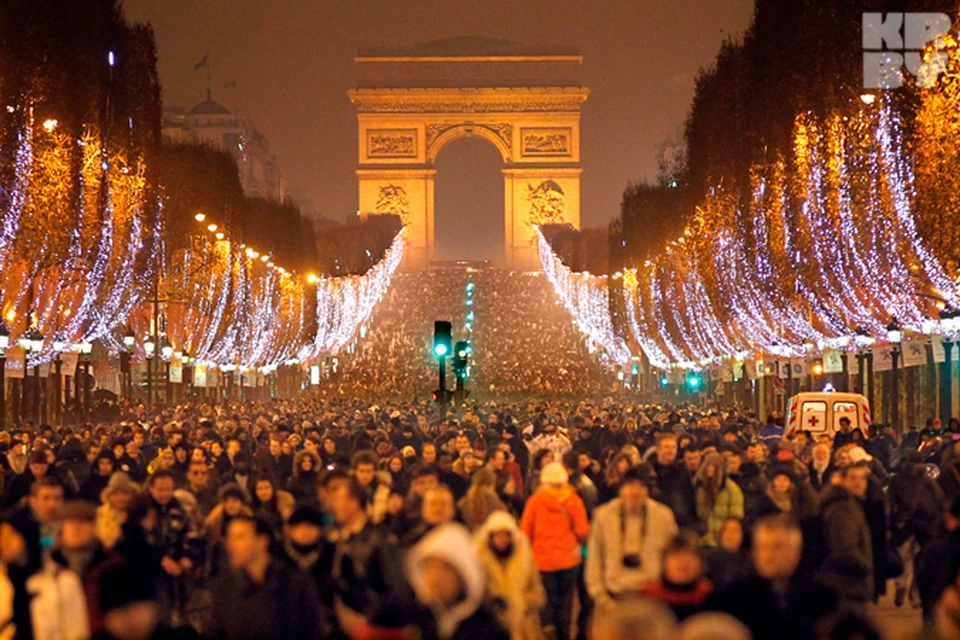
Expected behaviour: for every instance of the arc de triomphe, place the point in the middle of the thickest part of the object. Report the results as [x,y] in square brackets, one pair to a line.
[525,100]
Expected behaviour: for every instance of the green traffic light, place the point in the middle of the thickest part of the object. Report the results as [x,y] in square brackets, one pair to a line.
[693,381]
[440,349]
[664,381]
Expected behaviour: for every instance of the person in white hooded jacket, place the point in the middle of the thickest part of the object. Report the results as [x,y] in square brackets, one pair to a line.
[449,583]
[513,579]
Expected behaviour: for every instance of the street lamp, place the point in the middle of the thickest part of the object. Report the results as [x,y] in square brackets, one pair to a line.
[149,349]
[84,348]
[58,346]
[33,343]
[129,338]
[166,353]
[949,324]
[4,344]
[863,341]
[894,337]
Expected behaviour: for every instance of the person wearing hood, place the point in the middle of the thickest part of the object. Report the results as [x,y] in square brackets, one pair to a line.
[302,485]
[556,522]
[103,467]
[449,583]
[513,580]
[718,497]
[785,493]
[407,435]
[73,459]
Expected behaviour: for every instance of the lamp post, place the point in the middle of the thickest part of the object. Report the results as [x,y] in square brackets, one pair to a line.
[895,336]
[85,348]
[149,348]
[4,343]
[949,323]
[808,348]
[186,375]
[126,362]
[844,343]
[58,347]
[33,343]
[863,341]
[166,353]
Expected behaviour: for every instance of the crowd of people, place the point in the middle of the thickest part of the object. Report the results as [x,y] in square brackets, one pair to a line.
[531,348]
[328,518]
[519,350]
[393,357]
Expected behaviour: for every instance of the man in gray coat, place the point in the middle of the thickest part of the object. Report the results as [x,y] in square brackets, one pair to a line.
[848,554]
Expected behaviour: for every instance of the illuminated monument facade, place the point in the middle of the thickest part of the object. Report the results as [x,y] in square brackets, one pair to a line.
[525,100]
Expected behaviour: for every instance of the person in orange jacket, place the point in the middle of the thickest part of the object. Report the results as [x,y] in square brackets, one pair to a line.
[556,522]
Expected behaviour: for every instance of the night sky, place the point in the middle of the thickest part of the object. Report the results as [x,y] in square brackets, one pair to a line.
[293,63]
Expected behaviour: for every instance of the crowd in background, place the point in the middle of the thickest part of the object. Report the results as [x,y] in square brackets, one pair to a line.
[531,349]
[519,350]
[309,518]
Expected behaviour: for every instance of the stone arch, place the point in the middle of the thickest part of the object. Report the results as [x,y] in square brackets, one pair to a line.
[412,101]
[500,135]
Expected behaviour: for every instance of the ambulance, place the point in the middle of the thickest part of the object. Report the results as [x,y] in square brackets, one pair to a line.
[820,413]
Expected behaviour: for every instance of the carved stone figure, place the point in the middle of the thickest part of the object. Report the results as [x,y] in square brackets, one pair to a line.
[547,203]
[393,200]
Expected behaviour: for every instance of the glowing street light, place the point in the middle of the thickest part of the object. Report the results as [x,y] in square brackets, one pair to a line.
[50,124]
[200,217]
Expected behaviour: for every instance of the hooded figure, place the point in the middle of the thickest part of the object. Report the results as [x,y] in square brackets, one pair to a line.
[449,581]
[513,580]
[302,485]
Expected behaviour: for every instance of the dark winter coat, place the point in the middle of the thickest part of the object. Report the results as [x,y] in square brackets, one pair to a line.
[285,605]
[793,615]
[848,567]
[676,491]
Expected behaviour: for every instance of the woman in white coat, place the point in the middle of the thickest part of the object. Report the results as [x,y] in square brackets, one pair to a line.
[513,580]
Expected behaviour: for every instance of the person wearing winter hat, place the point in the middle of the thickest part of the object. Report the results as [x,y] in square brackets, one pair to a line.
[112,512]
[556,522]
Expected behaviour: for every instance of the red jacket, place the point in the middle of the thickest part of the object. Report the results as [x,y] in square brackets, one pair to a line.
[556,522]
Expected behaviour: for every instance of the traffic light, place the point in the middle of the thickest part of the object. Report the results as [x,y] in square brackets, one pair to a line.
[441,338]
[664,381]
[441,397]
[635,370]
[694,380]
[460,353]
